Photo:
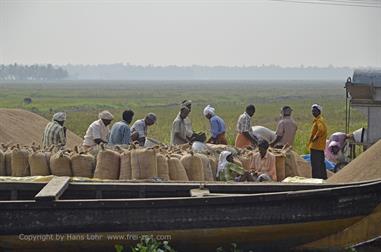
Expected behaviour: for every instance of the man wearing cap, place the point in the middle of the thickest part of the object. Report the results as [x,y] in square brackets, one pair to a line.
[317,143]
[98,132]
[179,130]
[245,136]
[55,132]
[217,126]
[286,129]
[140,128]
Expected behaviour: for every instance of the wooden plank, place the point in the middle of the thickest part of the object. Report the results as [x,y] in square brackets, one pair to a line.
[53,190]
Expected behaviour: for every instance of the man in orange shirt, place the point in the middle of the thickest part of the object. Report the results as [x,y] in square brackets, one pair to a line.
[263,163]
[317,142]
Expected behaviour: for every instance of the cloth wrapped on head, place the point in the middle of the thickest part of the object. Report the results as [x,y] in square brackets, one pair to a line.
[317,106]
[152,117]
[209,110]
[60,116]
[222,161]
[105,115]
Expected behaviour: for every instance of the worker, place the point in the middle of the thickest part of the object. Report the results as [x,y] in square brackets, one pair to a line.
[336,149]
[217,126]
[227,170]
[286,129]
[317,142]
[187,120]
[179,130]
[139,129]
[55,131]
[245,137]
[263,163]
[98,131]
[120,131]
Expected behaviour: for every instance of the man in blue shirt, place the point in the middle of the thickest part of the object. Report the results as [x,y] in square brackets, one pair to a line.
[217,126]
[120,131]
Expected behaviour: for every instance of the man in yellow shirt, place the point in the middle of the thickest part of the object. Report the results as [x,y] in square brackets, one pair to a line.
[317,142]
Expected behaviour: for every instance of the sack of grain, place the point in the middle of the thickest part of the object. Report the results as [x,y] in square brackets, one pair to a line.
[60,164]
[291,167]
[208,174]
[19,162]
[280,164]
[162,167]
[176,170]
[246,161]
[3,170]
[143,164]
[193,166]
[39,163]
[82,164]
[178,156]
[125,165]
[213,165]
[108,164]
[8,161]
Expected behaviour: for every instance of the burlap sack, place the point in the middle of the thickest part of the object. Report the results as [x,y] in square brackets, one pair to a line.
[125,165]
[176,170]
[193,166]
[143,164]
[82,164]
[60,164]
[19,162]
[208,174]
[162,167]
[108,164]
[39,163]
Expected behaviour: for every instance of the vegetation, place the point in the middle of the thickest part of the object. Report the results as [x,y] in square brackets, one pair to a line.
[84,100]
[32,72]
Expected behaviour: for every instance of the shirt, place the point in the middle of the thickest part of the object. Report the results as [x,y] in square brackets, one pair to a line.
[188,126]
[230,172]
[267,164]
[244,123]
[96,130]
[178,126]
[120,133]
[318,131]
[217,126]
[53,135]
[286,129]
[140,127]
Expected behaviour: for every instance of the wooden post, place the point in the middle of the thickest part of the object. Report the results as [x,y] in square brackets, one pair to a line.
[53,190]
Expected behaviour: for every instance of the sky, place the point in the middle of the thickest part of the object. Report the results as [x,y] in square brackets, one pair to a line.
[185,32]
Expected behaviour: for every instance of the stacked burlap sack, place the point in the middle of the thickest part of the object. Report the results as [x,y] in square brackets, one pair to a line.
[164,163]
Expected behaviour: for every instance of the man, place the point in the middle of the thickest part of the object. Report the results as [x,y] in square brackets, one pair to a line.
[98,132]
[120,131]
[217,126]
[187,120]
[245,137]
[286,129]
[179,130]
[317,142]
[264,163]
[336,149]
[55,132]
[139,129]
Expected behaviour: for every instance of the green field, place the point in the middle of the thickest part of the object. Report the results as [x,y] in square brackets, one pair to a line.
[82,100]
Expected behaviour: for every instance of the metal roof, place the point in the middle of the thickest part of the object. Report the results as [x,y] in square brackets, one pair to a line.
[367,76]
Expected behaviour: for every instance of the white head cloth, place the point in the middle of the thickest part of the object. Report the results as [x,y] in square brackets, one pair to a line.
[106,115]
[209,110]
[60,116]
[320,108]
[222,162]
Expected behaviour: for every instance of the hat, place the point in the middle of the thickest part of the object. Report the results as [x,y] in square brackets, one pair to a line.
[60,116]
[317,106]
[105,115]
[209,110]
[186,103]
[286,108]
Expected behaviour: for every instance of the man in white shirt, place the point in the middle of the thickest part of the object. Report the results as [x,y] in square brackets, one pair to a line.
[98,132]
[140,128]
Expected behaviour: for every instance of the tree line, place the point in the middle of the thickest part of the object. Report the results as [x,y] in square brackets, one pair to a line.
[32,72]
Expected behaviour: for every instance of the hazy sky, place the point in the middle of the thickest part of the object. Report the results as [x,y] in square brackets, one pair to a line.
[185,32]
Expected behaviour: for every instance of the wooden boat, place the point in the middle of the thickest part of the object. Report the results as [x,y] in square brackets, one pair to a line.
[96,216]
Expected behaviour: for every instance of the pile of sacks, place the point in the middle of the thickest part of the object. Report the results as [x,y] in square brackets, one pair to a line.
[164,163]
